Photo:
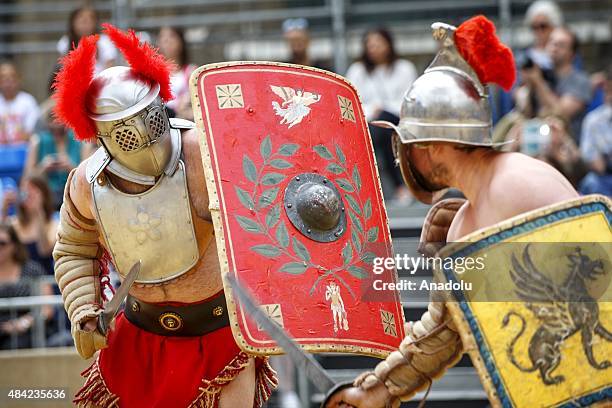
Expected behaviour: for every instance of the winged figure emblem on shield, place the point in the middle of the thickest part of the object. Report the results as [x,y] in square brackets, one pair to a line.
[541,313]
[559,318]
[297,206]
[295,105]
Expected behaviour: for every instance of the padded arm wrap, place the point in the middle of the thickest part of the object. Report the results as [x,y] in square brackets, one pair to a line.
[436,225]
[77,270]
[431,346]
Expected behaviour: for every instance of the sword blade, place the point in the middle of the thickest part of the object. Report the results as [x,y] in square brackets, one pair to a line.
[303,361]
[112,307]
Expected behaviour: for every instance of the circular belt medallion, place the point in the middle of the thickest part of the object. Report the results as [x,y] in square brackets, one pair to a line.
[171,321]
[217,311]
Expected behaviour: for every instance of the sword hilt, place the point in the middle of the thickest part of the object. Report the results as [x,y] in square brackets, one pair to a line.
[102,327]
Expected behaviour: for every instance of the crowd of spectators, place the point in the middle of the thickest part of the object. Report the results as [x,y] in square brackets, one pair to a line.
[547,115]
[550,116]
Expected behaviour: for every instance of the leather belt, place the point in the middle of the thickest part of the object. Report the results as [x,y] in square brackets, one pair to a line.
[182,321]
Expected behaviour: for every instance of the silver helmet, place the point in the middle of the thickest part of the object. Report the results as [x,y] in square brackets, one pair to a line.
[448,103]
[131,120]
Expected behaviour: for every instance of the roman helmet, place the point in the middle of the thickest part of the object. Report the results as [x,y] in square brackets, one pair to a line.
[122,107]
[449,102]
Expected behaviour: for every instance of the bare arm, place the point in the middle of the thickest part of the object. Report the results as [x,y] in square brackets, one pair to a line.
[598,165]
[80,192]
[30,164]
[196,181]
[77,270]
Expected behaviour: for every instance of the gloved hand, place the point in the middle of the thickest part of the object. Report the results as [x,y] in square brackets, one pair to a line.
[349,396]
[87,337]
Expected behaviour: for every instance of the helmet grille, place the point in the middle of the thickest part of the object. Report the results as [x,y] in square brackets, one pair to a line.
[156,122]
[126,139]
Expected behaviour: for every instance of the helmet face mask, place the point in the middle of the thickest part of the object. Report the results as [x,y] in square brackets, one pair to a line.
[141,130]
[140,142]
[122,106]
[131,121]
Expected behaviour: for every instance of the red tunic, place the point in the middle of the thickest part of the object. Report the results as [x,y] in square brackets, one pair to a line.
[142,369]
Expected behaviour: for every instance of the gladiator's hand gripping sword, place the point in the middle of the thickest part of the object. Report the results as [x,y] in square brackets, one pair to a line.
[304,362]
[112,307]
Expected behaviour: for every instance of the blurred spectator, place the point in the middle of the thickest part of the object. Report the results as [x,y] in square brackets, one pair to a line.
[171,42]
[598,80]
[381,79]
[18,109]
[596,145]
[542,17]
[82,22]
[571,93]
[53,152]
[18,278]
[548,139]
[297,36]
[34,223]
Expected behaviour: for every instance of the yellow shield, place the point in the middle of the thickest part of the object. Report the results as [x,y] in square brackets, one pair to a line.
[532,298]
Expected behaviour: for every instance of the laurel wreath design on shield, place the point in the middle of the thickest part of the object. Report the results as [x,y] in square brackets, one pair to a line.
[266,218]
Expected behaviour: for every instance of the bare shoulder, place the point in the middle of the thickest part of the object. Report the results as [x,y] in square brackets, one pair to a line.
[80,191]
[190,140]
[196,181]
[191,152]
[521,183]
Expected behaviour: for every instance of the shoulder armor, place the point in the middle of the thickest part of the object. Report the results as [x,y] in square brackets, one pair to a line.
[179,123]
[437,222]
[96,163]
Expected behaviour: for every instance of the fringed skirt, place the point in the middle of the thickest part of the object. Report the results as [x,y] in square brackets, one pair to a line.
[142,369]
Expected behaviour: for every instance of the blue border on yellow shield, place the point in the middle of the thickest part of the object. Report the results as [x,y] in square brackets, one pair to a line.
[585,400]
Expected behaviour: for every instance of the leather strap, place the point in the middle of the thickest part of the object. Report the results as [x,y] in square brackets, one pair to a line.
[180,321]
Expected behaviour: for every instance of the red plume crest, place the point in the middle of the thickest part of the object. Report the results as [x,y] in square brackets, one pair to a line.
[78,67]
[479,46]
[71,84]
[143,58]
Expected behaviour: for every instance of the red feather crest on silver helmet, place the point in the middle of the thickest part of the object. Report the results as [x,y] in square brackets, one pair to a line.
[72,83]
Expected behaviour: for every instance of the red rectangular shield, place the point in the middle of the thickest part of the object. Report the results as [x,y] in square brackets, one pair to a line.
[297,205]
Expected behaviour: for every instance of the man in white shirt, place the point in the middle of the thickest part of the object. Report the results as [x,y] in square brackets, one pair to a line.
[18,109]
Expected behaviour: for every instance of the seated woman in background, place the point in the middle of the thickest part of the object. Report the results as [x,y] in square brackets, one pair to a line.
[35,225]
[53,152]
[83,21]
[17,278]
[381,79]
[171,43]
